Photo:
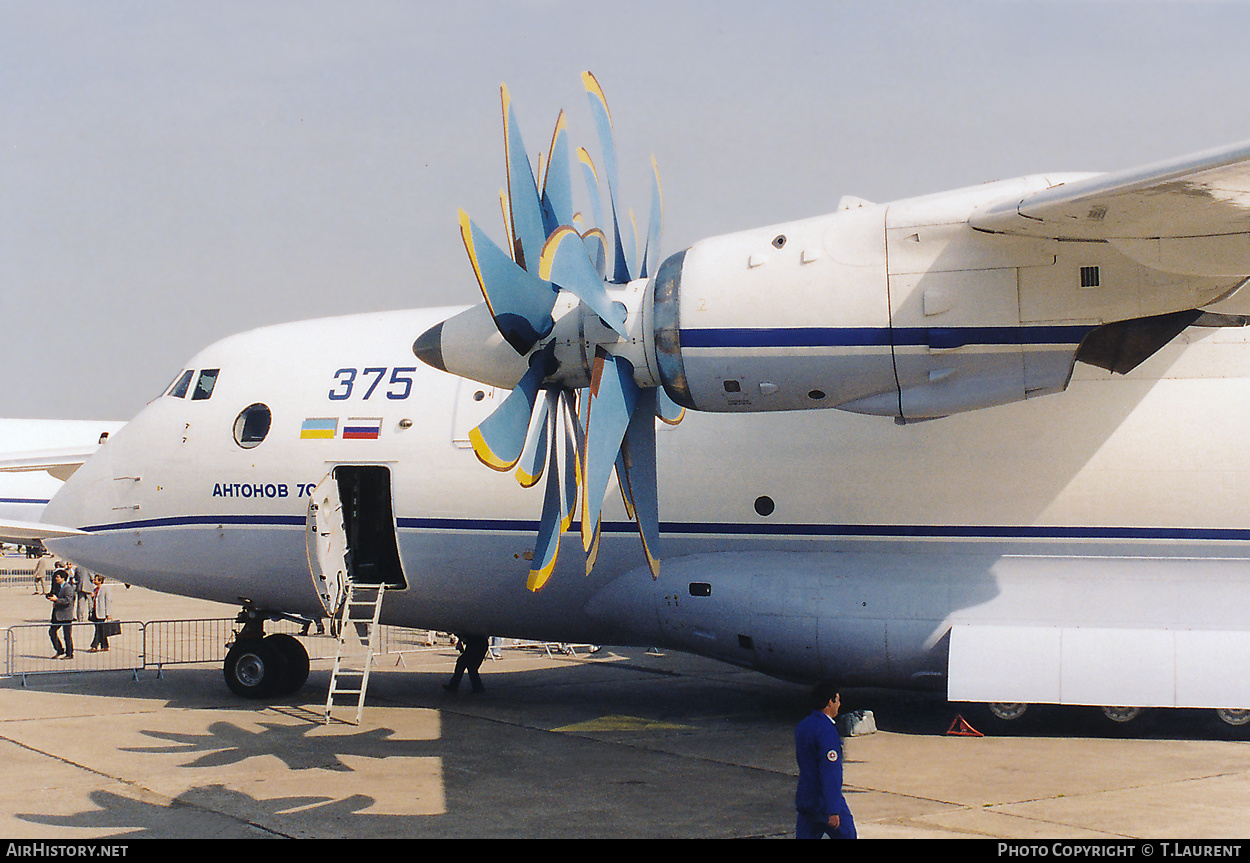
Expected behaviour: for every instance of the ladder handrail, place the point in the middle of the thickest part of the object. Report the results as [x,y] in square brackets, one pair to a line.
[371,624]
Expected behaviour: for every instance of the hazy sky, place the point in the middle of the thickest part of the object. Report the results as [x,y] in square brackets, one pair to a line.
[174,172]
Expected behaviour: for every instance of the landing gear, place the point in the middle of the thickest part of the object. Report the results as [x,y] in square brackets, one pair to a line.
[1232,717]
[261,666]
[1002,717]
[1007,712]
[1129,721]
[1121,715]
[251,668]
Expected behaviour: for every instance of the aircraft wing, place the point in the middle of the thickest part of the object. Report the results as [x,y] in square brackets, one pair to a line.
[1189,215]
[57,446]
[27,531]
[61,463]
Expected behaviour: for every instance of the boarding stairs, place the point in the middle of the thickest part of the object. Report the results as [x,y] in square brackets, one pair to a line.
[357,628]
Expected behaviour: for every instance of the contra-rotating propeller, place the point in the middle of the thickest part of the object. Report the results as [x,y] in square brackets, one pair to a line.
[570,303]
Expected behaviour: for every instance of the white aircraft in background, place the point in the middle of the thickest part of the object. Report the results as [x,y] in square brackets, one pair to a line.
[1034,489]
[36,457]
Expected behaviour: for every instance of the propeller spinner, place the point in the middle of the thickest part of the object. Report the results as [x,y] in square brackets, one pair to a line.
[569,305]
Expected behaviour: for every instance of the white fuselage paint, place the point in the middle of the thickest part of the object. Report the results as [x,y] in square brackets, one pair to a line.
[881,536]
[1113,505]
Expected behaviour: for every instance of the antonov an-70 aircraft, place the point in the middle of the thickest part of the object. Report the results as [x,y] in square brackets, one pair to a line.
[1035,487]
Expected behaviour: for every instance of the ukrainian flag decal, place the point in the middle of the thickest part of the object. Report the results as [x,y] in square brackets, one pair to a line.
[319,428]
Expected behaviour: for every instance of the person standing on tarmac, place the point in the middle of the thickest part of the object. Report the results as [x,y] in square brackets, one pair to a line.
[62,598]
[472,651]
[822,810]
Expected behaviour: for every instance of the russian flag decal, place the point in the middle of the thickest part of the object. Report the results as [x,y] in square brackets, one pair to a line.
[362,428]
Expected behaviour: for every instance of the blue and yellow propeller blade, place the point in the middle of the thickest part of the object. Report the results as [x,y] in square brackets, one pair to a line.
[566,265]
[500,438]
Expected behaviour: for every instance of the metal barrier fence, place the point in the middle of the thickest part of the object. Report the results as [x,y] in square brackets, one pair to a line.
[24,577]
[29,648]
[157,643]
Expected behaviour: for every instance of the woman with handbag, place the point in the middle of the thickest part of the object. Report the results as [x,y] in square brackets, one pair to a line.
[104,623]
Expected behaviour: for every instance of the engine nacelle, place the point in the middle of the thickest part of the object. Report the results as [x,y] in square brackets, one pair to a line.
[901,310]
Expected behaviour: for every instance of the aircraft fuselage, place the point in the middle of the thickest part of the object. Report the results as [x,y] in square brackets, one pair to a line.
[803,542]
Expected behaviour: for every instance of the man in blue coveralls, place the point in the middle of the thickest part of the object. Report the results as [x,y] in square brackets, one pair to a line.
[822,809]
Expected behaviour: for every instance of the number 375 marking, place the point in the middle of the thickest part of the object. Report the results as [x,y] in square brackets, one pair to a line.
[397,388]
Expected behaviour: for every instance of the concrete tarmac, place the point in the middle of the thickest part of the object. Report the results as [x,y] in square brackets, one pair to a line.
[621,744]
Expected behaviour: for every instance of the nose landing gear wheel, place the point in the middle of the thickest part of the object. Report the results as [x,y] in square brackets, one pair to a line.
[259,668]
[294,658]
[252,668]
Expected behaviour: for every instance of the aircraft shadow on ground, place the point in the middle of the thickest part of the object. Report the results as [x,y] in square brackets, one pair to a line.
[226,743]
[241,815]
[899,711]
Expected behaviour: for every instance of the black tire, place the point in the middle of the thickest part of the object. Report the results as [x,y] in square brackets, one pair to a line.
[295,660]
[1128,721]
[1007,712]
[253,668]
[1002,719]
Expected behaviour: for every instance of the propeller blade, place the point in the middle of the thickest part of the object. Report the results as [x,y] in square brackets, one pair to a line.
[525,207]
[638,460]
[565,264]
[596,250]
[520,302]
[619,264]
[592,185]
[622,482]
[499,439]
[571,467]
[651,255]
[534,455]
[631,243]
[613,397]
[553,521]
[507,216]
[557,195]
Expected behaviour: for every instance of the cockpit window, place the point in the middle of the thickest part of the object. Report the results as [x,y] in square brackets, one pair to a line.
[180,387]
[204,386]
[252,425]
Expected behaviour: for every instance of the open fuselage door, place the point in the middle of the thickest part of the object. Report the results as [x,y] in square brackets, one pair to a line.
[350,533]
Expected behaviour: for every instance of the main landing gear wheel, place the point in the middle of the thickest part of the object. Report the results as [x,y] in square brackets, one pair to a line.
[1002,717]
[1130,721]
[1007,712]
[1233,717]
[1121,715]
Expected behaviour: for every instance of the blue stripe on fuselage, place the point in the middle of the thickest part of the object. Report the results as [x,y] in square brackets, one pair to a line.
[878,531]
[826,337]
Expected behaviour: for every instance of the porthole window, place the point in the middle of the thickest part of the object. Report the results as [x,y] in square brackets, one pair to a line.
[252,425]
